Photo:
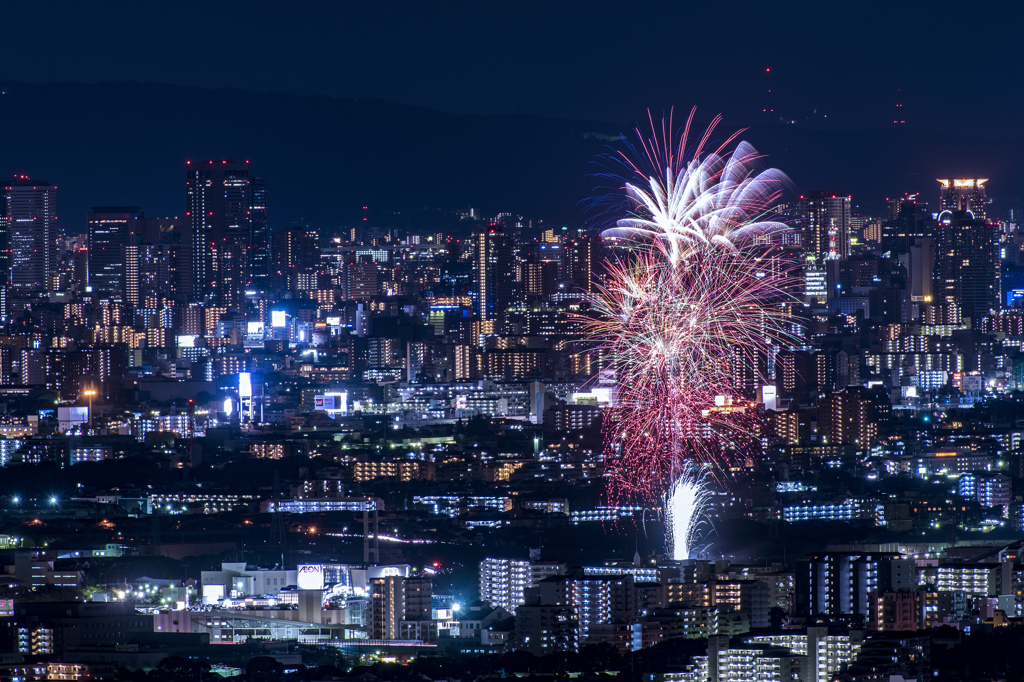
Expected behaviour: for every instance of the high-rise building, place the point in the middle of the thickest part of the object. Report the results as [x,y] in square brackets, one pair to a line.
[503,582]
[259,258]
[293,250]
[894,206]
[908,219]
[895,611]
[990,489]
[842,583]
[219,197]
[963,194]
[112,230]
[28,234]
[922,263]
[361,280]
[150,272]
[539,278]
[493,272]
[579,263]
[848,417]
[968,265]
[387,607]
[418,598]
[826,225]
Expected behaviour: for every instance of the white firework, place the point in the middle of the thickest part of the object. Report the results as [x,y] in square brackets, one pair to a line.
[691,199]
[685,505]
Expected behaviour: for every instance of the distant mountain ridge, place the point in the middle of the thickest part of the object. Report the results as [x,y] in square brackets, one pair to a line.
[127,143]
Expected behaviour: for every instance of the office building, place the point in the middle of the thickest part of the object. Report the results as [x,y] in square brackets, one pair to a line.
[219,196]
[112,230]
[259,255]
[963,194]
[28,234]
[967,265]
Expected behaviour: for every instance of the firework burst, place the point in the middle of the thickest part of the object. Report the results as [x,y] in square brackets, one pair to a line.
[690,310]
[692,200]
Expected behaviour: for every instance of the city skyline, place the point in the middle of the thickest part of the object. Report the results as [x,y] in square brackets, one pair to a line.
[468,342]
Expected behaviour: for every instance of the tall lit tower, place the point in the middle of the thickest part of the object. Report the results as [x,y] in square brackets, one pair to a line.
[259,260]
[493,272]
[826,225]
[28,234]
[112,229]
[963,194]
[968,265]
[219,195]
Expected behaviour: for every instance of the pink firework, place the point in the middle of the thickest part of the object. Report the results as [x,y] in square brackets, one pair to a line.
[689,316]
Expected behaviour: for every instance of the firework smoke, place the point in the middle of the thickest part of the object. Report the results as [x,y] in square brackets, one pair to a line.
[685,504]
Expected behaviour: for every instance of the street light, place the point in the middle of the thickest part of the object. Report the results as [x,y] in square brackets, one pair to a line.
[89,393]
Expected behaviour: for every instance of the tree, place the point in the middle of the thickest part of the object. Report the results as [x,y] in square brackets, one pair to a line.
[264,669]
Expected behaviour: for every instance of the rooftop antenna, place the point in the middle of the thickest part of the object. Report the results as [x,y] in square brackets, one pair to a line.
[898,117]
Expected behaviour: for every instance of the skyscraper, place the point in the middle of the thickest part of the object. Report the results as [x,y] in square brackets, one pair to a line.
[826,225]
[293,250]
[580,262]
[259,260]
[28,234]
[112,229]
[968,266]
[220,203]
[963,194]
[909,221]
[493,272]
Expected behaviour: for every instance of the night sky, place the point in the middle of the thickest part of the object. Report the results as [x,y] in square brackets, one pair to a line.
[833,64]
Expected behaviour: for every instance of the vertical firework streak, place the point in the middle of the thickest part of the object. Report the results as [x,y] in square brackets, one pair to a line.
[696,290]
[685,504]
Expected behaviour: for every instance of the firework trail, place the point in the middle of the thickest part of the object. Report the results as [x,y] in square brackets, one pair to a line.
[697,297]
[685,505]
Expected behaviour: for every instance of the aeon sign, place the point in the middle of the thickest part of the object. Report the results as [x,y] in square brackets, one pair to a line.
[311,577]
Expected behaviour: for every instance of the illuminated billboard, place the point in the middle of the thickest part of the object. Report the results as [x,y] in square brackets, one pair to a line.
[278,318]
[72,417]
[331,402]
[244,385]
[311,577]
